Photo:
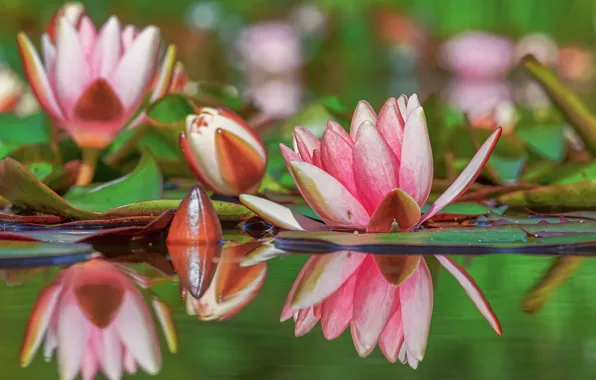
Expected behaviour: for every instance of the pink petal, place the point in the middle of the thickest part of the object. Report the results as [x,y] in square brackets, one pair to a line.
[128,36]
[107,51]
[89,366]
[38,78]
[72,71]
[472,290]
[135,70]
[336,157]
[73,332]
[392,337]
[328,197]
[39,321]
[466,177]
[416,297]
[391,125]
[364,112]
[279,215]
[323,277]
[49,54]
[87,35]
[412,103]
[375,167]
[336,311]
[306,142]
[307,319]
[335,127]
[416,165]
[287,311]
[316,158]
[130,366]
[111,357]
[137,333]
[375,301]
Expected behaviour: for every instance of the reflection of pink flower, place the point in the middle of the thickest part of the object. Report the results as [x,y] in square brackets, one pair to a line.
[272,47]
[377,178]
[97,319]
[477,55]
[92,81]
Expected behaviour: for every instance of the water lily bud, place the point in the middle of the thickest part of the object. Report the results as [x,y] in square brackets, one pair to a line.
[223,152]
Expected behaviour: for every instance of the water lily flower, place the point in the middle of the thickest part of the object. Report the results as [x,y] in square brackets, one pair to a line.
[477,55]
[376,178]
[97,320]
[232,286]
[223,152]
[11,90]
[92,82]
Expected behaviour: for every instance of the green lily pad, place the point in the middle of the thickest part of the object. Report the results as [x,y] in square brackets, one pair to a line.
[144,183]
[213,94]
[19,186]
[41,170]
[28,130]
[578,195]
[227,211]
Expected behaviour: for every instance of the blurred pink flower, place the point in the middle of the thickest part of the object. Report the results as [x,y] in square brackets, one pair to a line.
[466,94]
[97,319]
[540,45]
[576,63]
[11,89]
[271,47]
[377,178]
[92,82]
[276,97]
[477,55]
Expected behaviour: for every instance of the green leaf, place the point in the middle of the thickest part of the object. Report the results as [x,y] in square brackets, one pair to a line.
[578,195]
[213,94]
[163,144]
[546,140]
[508,169]
[572,107]
[171,109]
[580,174]
[28,130]
[438,133]
[41,170]
[144,183]
[19,186]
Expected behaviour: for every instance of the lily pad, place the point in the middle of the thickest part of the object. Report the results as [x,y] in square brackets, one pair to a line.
[17,131]
[170,110]
[19,186]
[546,140]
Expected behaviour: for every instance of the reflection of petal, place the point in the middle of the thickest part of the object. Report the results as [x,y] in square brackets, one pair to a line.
[264,252]
[166,321]
[73,334]
[38,322]
[195,264]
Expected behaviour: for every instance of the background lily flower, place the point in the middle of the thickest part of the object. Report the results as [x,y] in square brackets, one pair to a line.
[91,82]
[11,90]
[377,178]
[477,55]
[223,152]
[97,319]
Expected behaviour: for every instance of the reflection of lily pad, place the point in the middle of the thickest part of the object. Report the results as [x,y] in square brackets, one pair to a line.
[31,254]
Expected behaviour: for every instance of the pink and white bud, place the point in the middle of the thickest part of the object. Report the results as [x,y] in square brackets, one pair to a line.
[223,152]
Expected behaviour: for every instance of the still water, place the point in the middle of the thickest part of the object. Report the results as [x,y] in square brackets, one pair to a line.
[558,342]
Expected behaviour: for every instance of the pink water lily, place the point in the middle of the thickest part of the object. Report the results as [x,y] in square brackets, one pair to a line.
[376,178]
[97,319]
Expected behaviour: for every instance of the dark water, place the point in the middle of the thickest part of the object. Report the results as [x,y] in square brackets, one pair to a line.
[559,342]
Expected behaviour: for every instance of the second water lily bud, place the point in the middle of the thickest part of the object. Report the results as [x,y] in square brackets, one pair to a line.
[223,152]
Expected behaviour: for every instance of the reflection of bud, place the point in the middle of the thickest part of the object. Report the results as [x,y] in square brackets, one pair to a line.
[477,55]
[97,319]
[233,286]
[223,152]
